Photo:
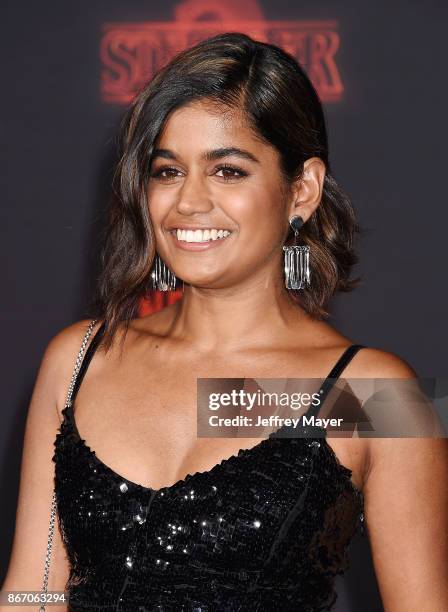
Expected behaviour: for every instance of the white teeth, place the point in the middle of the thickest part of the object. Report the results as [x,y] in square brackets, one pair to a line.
[201,235]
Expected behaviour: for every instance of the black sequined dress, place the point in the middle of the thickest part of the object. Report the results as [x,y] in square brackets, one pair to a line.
[266,529]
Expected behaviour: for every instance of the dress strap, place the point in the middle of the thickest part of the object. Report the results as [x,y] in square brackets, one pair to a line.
[82,364]
[332,377]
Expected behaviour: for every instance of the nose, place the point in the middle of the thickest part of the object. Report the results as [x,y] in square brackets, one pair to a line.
[194,195]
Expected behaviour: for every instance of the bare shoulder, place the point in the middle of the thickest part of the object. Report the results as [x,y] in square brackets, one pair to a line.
[382,451]
[368,362]
[70,336]
[377,363]
[59,358]
[37,468]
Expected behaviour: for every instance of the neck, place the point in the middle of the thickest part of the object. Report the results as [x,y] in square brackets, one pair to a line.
[255,313]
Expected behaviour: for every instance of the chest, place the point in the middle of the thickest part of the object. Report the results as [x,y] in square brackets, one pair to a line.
[262,511]
[141,418]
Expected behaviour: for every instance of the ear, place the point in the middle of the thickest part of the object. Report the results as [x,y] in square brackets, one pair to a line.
[307,191]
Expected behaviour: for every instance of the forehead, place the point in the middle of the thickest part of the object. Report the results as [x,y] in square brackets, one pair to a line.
[203,123]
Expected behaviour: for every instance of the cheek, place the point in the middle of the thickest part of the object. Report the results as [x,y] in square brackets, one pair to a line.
[258,213]
[158,203]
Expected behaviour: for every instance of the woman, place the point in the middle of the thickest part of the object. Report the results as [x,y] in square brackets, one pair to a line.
[223,153]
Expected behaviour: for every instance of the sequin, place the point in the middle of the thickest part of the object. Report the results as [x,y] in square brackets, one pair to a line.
[266,529]
[274,539]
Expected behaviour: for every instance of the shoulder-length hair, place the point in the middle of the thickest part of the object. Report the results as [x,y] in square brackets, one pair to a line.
[283,108]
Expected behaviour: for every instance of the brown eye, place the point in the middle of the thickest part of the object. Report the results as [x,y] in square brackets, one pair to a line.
[231,172]
[165,173]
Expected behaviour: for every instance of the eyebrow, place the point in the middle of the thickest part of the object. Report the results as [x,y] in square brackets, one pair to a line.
[211,155]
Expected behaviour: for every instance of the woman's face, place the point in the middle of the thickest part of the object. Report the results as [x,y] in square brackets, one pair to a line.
[209,171]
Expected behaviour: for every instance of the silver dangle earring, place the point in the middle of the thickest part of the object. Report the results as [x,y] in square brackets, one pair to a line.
[297,259]
[162,277]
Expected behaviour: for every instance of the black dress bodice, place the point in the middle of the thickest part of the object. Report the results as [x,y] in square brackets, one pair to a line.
[266,529]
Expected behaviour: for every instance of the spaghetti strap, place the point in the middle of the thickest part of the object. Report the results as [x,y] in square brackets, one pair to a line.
[332,377]
[83,363]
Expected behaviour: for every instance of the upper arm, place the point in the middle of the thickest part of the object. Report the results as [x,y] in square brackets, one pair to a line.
[406,511]
[26,566]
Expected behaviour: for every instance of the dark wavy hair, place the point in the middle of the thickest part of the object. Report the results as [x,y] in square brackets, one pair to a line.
[282,107]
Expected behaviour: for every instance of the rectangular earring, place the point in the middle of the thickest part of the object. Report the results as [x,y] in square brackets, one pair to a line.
[297,266]
[162,278]
[296,259]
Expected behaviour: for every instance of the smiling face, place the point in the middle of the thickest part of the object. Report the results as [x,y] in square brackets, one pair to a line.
[209,171]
